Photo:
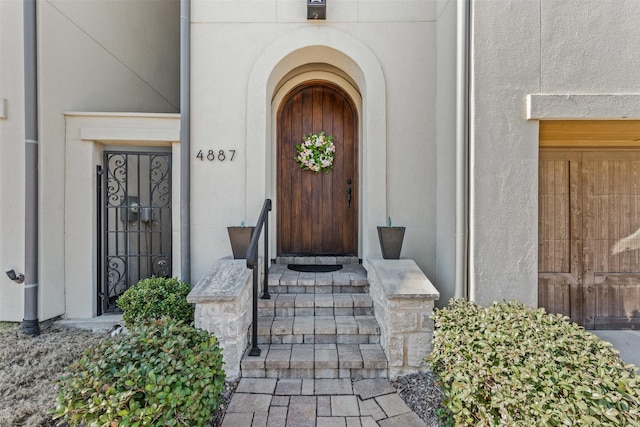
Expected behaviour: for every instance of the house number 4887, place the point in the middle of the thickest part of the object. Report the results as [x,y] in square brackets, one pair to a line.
[219,155]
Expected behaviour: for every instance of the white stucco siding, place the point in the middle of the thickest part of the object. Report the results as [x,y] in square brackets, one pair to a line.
[410,71]
[218,122]
[504,151]
[109,56]
[446,152]
[142,36]
[11,158]
[229,42]
[287,11]
[589,46]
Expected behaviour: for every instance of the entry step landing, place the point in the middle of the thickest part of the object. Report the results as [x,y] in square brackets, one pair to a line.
[352,278]
[320,260]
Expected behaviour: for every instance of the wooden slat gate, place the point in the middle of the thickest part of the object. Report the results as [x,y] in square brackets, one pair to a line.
[589,236]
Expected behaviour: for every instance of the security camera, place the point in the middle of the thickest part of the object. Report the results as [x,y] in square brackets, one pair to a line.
[16,277]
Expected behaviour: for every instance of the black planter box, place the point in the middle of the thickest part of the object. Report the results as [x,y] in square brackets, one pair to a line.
[240,238]
[391,241]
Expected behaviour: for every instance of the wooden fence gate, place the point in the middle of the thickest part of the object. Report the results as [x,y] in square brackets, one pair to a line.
[589,235]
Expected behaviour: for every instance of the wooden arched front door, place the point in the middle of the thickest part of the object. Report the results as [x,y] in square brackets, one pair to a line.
[317,212]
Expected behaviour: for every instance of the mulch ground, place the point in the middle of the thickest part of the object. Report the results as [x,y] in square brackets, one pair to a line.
[30,368]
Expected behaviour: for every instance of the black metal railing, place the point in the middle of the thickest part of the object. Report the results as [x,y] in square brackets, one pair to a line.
[252,263]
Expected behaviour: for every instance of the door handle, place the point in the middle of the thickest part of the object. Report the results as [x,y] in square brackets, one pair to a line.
[348,197]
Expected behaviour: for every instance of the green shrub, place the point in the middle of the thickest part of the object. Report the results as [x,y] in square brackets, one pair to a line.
[154,298]
[162,373]
[509,365]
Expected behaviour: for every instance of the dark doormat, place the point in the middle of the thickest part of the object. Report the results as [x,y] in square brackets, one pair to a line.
[314,268]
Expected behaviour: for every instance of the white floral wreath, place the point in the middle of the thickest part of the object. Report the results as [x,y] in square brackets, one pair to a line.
[316,153]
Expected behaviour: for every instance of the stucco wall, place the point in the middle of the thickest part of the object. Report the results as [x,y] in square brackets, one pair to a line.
[504,151]
[93,56]
[589,46]
[228,39]
[520,48]
[446,151]
[11,158]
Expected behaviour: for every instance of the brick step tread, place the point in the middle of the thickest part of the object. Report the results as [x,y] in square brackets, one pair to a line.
[318,325]
[276,289]
[316,361]
[317,311]
[320,339]
[317,279]
[318,304]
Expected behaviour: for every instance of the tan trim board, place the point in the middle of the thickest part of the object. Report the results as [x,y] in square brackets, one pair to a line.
[590,133]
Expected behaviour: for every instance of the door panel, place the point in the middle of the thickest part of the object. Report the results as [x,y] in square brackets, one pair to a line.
[559,230]
[611,229]
[315,216]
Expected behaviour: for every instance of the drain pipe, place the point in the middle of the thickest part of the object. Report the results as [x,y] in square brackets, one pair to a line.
[461,287]
[185,140]
[30,324]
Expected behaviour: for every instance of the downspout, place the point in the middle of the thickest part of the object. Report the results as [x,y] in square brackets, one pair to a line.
[185,140]
[461,287]
[30,324]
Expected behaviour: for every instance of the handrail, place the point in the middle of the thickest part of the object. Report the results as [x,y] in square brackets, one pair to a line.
[252,263]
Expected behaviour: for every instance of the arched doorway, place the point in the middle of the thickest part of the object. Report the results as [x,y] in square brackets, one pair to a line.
[317,212]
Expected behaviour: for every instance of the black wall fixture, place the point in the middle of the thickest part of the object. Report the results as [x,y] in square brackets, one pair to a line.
[316,9]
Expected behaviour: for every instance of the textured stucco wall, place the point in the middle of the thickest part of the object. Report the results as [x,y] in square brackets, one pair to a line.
[400,35]
[11,158]
[93,56]
[589,46]
[446,155]
[504,151]
[533,47]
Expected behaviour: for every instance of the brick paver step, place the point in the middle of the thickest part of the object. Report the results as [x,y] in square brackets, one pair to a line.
[286,305]
[316,361]
[352,278]
[318,330]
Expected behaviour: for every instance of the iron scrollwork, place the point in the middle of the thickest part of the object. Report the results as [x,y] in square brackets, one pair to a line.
[136,221]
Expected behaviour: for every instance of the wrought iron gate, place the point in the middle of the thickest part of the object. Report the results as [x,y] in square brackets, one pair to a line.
[135,222]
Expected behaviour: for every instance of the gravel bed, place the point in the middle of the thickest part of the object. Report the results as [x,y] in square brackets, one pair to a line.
[227,393]
[422,395]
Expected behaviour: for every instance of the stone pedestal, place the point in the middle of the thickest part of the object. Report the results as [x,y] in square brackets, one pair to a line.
[223,299]
[403,299]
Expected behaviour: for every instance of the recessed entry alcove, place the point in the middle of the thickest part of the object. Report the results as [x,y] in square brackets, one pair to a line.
[88,135]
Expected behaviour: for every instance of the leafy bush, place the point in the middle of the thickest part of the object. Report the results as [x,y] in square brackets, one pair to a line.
[509,365]
[163,373]
[154,298]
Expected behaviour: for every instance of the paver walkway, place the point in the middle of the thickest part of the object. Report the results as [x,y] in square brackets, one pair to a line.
[271,402]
